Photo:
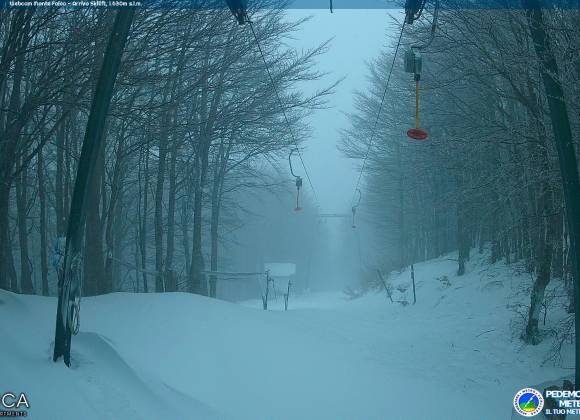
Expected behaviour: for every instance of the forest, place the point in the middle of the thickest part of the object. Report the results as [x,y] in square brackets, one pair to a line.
[144,154]
[193,123]
[489,174]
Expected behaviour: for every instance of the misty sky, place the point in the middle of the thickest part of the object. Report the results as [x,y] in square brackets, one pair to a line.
[358,36]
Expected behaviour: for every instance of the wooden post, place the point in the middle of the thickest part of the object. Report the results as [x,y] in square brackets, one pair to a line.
[265,297]
[413,279]
[287,296]
[171,281]
[385,285]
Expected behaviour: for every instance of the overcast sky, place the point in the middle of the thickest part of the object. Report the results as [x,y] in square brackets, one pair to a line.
[358,35]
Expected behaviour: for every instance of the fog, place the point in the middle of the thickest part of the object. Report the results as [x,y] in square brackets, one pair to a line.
[270,213]
[329,253]
[356,36]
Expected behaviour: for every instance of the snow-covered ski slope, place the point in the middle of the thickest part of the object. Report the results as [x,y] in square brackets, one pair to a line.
[177,356]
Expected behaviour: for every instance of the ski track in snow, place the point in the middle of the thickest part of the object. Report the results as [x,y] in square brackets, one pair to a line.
[178,356]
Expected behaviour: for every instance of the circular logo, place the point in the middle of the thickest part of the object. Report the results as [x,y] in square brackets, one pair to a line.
[528,402]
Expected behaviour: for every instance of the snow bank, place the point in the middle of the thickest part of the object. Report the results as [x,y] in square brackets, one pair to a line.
[281,269]
[178,356]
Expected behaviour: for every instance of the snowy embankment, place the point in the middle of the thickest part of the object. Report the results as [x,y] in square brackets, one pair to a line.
[178,356]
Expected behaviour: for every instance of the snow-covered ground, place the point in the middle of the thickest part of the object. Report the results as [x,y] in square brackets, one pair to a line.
[453,355]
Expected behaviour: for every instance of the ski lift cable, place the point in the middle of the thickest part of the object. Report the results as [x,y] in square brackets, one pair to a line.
[373,131]
[232,274]
[283,110]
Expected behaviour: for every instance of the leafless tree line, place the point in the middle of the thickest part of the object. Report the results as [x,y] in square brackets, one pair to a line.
[489,172]
[194,120]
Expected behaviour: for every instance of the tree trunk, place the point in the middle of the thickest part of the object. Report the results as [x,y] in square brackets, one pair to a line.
[8,157]
[114,228]
[7,270]
[69,287]
[197,264]
[219,174]
[163,138]
[26,285]
[214,225]
[463,237]
[208,114]
[169,273]
[184,229]
[94,263]
[544,264]
[143,222]
[403,245]
[462,240]
[43,224]
[59,181]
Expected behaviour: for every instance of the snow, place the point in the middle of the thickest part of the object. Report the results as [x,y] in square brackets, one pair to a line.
[181,356]
[278,269]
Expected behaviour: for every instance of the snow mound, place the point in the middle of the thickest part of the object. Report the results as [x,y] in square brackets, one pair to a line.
[165,356]
[100,384]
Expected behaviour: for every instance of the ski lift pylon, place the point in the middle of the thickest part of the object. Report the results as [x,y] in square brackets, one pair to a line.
[413,10]
[239,9]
